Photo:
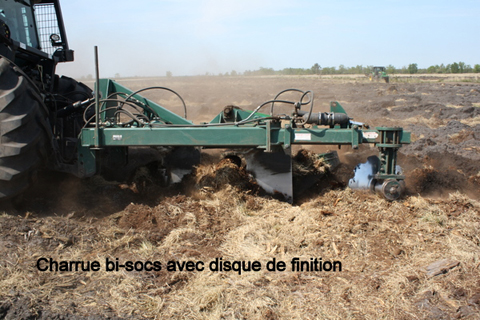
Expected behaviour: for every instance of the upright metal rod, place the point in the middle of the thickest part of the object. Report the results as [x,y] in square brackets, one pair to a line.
[97,100]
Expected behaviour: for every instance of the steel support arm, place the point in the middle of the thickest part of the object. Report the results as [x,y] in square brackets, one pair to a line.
[229,136]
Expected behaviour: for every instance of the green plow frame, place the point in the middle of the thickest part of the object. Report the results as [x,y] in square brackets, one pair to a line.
[235,128]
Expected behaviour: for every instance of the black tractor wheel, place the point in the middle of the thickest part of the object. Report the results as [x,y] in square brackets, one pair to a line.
[24,142]
[70,90]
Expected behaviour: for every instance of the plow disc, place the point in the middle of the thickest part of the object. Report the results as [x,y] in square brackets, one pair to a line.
[367,177]
[364,173]
[273,172]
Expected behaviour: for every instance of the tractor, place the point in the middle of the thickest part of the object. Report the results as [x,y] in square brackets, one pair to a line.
[38,121]
[379,73]
[48,122]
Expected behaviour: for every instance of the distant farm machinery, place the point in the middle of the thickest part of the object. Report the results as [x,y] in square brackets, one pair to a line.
[378,73]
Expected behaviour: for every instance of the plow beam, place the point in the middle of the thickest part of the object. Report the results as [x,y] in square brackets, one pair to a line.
[268,137]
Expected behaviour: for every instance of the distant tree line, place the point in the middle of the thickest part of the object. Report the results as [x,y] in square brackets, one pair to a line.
[456,67]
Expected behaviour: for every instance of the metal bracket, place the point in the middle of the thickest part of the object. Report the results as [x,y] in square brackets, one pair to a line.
[389,143]
[268,140]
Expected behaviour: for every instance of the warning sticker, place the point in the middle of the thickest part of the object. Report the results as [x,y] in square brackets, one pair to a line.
[370,135]
[303,136]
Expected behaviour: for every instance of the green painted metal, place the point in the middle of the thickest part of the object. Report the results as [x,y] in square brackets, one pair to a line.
[228,136]
[109,87]
[390,142]
[229,129]
[86,163]
[336,107]
[235,114]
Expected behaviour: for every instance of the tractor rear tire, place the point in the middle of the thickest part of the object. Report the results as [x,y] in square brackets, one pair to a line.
[24,138]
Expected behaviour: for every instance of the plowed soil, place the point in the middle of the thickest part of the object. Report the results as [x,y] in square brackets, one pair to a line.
[416,258]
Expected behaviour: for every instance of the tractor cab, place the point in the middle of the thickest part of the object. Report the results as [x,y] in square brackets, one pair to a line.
[32,35]
[18,22]
[379,73]
[378,70]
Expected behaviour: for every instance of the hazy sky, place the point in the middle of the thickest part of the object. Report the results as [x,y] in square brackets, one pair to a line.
[192,37]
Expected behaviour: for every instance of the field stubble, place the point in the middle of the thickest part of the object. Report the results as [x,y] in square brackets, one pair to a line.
[385,248]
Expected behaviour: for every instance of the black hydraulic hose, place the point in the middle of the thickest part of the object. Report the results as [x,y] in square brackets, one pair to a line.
[132,104]
[279,94]
[304,93]
[110,108]
[265,103]
[136,117]
[158,125]
[87,122]
[244,121]
[65,97]
[129,114]
[311,105]
[161,88]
